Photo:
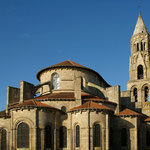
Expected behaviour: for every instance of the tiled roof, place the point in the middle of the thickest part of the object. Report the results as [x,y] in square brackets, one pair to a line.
[128,112]
[70,96]
[31,103]
[4,114]
[90,97]
[69,63]
[61,95]
[91,105]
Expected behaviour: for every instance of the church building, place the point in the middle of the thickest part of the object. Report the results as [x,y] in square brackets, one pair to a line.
[76,109]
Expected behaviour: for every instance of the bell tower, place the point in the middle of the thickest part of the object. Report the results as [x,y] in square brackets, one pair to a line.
[139,64]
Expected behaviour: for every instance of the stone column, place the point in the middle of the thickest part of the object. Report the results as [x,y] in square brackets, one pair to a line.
[70,140]
[136,134]
[42,138]
[55,132]
[103,139]
[107,132]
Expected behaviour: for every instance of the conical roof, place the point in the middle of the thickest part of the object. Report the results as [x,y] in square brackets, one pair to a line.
[140,26]
[68,64]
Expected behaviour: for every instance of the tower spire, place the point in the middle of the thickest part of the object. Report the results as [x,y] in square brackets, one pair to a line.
[140,26]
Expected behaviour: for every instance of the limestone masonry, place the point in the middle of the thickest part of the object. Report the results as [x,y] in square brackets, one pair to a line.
[78,110]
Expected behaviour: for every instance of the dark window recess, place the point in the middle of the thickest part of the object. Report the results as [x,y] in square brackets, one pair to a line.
[3,140]
[82,83]
[124,137]
[63,108]
[96,135]
[147,138]
[146,91]
[77,136]
[135,94]
[140,72]
[111,137]
[141,46]
[48,136]
[63,137]
[23,136]
[138,137]
[137,46]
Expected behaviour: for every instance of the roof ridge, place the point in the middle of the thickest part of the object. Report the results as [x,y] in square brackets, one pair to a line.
[71,62]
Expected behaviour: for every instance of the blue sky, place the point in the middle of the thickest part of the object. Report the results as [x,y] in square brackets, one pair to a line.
[35,34]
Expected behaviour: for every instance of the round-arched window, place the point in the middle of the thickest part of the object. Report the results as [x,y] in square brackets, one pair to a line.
[23,136]
[55,81]
[140,72]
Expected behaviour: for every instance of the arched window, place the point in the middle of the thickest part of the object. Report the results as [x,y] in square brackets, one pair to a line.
[48,136]
[23,136]
[55,81]
[77,136]
[140,72]
[147,138]
[146,93]
[124,137]
[135,94]
[63,137]
[96,135]
[111,136]
[63,108]
[137,46]
[3,139]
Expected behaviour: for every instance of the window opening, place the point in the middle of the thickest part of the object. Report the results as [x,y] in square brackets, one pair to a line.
[137,46]
[141,46]
[63,137]
[135,94]
[77,136]
[23,136]
[124,137]
[96,135]
[140,72]
[3,139]
[147,138]
[48,136]
[63,108]
[55,81]
[146,91]
[111,136]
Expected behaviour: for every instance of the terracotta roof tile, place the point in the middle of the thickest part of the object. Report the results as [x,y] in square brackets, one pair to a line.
[90,97]
[31,103]
[91,105]
[128,112]
[64,95]
[68,63]
[4,114]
